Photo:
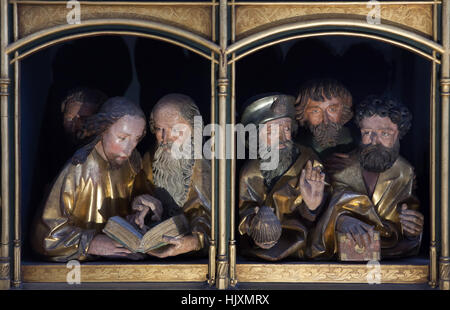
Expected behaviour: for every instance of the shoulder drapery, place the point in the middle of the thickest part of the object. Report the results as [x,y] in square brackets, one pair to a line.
[82,199]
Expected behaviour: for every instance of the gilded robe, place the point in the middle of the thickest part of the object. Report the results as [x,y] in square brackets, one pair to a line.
[394,187]
[197,206]
[81,201]
[286,201]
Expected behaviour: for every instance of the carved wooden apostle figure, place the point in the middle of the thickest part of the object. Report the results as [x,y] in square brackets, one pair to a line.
[324,106]
[181,183]
[278,206]
[376,190]
[100,181]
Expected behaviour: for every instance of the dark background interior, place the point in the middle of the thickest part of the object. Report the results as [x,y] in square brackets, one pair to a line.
[145,70]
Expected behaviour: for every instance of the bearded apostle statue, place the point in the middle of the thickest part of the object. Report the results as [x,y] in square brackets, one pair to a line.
[279,203]
[180,183]
[323,107]
[375,191]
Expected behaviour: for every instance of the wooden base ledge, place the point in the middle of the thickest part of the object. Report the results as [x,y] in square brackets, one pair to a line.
[277,273]
[332,273]
[118,273]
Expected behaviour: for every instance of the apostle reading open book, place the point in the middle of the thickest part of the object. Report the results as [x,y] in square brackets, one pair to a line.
[106,184]
[100,181]
[181,185]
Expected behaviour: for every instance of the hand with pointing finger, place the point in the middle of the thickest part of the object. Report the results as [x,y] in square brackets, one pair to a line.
[142,205]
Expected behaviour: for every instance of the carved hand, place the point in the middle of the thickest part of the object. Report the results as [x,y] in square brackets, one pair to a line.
[311,186]
[355,230]
[411,221]
[143,204]
[176,246]
[102,245]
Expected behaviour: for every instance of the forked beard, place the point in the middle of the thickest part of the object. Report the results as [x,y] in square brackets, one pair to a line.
[286,157]
[378,158]
[172,175]
[326,135]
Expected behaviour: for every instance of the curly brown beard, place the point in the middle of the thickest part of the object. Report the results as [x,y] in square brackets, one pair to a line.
[326,135]
[378,158]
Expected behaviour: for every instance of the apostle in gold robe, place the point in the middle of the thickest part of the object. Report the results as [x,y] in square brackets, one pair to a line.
[278,205]
[179,182]
[100,181]
[376,190]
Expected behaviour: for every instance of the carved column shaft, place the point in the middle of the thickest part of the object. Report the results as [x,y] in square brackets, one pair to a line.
[444,262]
[4,94]
[222,258]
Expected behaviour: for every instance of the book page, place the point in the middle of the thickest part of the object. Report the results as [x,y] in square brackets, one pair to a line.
[172,227]
[123,232]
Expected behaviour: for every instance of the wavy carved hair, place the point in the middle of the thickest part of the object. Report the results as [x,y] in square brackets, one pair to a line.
[110,112]
[385,107]
[320,90]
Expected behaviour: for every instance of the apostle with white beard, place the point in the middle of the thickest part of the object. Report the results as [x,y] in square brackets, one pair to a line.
[180,185]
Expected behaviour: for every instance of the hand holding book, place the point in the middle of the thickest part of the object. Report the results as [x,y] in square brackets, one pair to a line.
[102,245]
[176,246]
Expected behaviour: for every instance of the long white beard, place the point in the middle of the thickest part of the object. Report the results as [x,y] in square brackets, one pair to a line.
[172,175]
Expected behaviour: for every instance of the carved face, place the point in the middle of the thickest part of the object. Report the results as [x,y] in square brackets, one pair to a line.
[380,145]
[121,139]
[317,112]
[170,126]
[379,130]
[74,114]
[284,126]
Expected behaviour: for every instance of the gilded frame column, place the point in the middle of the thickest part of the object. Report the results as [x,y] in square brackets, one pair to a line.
[17,243]
[4,95]
[213,247]
[444,261]
[232,242]
[433,271]
[222,279]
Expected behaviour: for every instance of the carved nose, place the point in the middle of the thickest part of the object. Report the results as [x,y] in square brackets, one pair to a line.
[164,136]
[325,118]
[373,139]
